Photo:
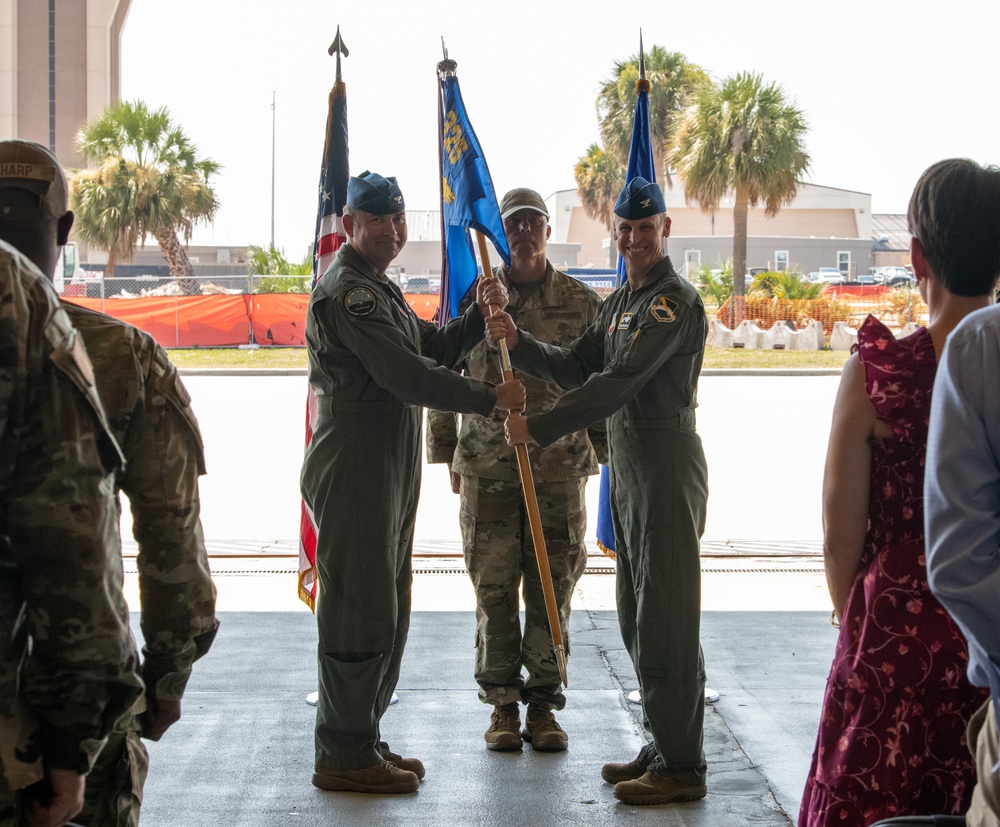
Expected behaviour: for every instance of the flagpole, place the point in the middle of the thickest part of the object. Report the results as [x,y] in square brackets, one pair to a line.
[531,500]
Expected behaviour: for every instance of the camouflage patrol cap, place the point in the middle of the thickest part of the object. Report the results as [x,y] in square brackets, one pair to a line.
[25,165]
[640,198]
[372,193]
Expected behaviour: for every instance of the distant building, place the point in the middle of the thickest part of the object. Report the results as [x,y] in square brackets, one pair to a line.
[822,227]
[60,66]
[890,240]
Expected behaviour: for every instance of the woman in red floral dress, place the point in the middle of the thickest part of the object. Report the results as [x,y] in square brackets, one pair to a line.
[891,737]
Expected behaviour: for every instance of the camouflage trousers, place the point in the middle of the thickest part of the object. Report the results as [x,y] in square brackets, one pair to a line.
[500,559]
[114,786]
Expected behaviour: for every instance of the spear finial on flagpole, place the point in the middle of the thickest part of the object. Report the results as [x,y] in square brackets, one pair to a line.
[338,48]
[641,85]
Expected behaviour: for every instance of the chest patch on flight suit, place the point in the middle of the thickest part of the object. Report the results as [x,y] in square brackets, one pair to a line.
[664,310]
[360,301]
[625,321]
[611,328]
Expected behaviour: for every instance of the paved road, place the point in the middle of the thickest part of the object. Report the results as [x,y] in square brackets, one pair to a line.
[765,438]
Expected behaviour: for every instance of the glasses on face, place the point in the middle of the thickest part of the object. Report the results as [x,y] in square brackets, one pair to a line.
[534,220]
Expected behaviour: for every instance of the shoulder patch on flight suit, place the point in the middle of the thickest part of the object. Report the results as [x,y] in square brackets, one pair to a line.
[664,310]
[360,301]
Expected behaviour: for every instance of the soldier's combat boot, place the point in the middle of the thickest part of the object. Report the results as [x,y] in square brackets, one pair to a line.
[542,731]
[504,732]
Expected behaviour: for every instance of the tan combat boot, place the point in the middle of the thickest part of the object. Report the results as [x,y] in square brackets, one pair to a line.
[504,733]
[542,731]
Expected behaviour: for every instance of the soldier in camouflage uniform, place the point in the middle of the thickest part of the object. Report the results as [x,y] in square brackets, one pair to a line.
[67,662]
[638,365]
[496,537]
[150,416]
[372,365]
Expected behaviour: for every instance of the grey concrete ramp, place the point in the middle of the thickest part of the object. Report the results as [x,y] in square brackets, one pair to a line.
[242,754]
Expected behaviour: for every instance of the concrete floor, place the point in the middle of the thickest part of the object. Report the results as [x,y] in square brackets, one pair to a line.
[242,754]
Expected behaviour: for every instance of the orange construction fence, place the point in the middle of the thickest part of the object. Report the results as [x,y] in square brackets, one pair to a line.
[225,321]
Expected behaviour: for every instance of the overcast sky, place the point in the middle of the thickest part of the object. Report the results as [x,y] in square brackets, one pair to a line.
[887,87]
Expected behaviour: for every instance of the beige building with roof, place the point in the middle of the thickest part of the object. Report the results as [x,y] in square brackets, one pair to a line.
[822,227]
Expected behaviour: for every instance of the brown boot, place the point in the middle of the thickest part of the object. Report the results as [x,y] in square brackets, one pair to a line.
[616,773]
[542,731]
[653,788]
[383,777]
[414,765]
[504,733]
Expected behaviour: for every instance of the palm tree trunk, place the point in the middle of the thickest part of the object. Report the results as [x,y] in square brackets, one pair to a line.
[740,212]
[177,261]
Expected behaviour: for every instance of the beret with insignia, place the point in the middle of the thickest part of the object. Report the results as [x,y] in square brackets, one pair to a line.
[372,193]
[640,199]
[360,301]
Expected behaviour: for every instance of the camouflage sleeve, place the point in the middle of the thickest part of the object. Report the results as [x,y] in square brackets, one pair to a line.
[442,435]
[177,595]
[62,522]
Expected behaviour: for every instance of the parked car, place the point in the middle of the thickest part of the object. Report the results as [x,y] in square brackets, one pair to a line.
[906,281]
[827,275]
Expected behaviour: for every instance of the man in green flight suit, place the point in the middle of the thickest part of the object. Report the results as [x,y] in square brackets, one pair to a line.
[373,364]
[496,539]
[638,365]
[67,661]
[150,415]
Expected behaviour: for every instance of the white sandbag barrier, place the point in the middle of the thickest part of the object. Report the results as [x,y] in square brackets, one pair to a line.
[747,334]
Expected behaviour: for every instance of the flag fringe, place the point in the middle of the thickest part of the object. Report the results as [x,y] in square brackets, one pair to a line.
[305,594]
[607,551]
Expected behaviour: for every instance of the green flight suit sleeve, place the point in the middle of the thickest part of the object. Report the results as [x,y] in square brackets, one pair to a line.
[392,361]
[631,367]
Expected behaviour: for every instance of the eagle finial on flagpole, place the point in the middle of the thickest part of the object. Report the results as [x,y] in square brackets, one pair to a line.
[446,66]
[338,48]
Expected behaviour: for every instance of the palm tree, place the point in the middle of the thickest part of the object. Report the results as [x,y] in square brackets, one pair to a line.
[147,180]
[673,82]
[271,272]
[599,179]
[741,136]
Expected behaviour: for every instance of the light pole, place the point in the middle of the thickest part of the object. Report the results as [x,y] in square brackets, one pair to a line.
[272,168]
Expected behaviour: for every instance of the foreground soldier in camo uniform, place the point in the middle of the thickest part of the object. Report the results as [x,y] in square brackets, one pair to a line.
[67,661]
[499,553]
[150,415]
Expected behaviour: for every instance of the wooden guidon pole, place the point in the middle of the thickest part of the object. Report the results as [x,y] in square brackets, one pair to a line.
[531,502]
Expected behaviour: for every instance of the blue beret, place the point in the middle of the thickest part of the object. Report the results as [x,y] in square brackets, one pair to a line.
[372,193]
[640,199]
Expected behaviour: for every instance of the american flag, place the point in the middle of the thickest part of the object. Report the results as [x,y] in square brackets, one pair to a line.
[329,236]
